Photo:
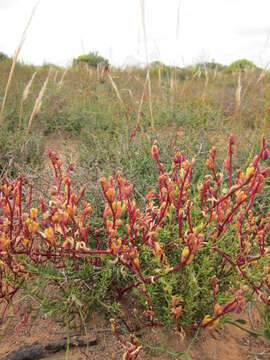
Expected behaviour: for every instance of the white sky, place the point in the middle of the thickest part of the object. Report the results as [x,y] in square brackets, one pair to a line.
[223,30]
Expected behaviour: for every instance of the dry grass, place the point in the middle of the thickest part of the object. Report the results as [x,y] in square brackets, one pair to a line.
[14,62]
[36,109]
[238,92]
[25,96]
[38,103]
[147,63]
[60,84]
[117,92]
[140,107]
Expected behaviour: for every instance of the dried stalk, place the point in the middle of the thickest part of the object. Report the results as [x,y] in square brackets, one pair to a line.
[15,59]
[25,96]
[37,105]
[147,62]
[62,78]
[139,110]
[116,91]
[238,95]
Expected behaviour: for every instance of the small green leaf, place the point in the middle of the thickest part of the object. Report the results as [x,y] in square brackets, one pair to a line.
[76,300]
[266,334]
[241,321]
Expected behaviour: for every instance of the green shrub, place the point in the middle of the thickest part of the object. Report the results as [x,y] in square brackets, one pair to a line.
[92,59]
[240,65]
[3,56]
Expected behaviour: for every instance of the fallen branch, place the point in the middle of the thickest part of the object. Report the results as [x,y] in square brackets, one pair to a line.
[37,351]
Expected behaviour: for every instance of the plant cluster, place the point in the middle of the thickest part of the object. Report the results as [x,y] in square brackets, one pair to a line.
[190,257]
[3,56]
[92,59]
[241,64]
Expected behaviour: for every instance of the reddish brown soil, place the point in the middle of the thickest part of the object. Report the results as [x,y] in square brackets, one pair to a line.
[225,343]
[14,334]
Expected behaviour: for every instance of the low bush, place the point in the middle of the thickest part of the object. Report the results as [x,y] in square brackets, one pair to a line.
[92,59]
[3,56]
[193,255]
[240,65]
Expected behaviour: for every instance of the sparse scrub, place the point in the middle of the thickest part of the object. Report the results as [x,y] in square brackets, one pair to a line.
[185,251]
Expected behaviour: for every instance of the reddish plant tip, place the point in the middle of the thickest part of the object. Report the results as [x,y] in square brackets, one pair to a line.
[154,150]
[265,155]
[48,151]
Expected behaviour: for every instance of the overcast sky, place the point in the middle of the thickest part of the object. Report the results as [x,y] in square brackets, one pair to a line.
[178,31]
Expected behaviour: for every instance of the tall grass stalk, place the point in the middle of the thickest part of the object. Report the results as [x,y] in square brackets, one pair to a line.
[238,95]
[55,77]
[119,99]
[206,81]
[144,31]
[178,20]
[15,59]
[159,78]
[215,73]
[140,109]
[38,103]
[197,73]
[266,106]
[117,92]
[36,109]
[150,99]
[147,63]
[172,89]
[25,96]
[62,78]
[261,76]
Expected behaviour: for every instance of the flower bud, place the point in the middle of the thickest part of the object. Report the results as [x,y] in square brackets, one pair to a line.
[185,254]
[136,262]
[154,150]
[49,234]
[265,155]
[110,194]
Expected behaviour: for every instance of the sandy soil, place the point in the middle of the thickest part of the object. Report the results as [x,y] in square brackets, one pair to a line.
[225,343]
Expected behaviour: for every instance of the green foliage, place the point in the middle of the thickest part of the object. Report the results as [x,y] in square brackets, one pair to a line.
[91,59]
[158,65]
[71,296]
[240,65]
[212,65]
[3,56]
